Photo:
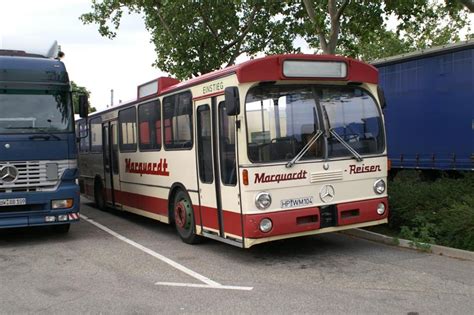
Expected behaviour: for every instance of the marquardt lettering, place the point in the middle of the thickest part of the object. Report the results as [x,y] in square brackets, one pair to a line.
[276,178]
[354,169]
[160,168]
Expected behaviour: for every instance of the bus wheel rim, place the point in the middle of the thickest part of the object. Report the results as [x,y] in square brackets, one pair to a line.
[183,214]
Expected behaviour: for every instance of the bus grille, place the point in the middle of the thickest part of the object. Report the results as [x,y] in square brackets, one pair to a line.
[326,176]
[32,176]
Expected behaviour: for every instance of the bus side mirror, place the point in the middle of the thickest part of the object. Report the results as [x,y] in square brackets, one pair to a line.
[83,106]
[381,95]
[232,101]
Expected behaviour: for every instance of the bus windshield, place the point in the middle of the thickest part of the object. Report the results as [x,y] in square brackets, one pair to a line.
[282,119]
[34,112]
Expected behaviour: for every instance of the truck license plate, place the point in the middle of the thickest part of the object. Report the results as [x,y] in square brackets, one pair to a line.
[12,202]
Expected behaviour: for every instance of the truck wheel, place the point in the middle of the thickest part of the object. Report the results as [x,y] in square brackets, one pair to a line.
[99,195]
[184,218]
[61,228]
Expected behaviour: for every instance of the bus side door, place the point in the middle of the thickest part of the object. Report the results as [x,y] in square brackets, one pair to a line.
[221,213]
[111,171]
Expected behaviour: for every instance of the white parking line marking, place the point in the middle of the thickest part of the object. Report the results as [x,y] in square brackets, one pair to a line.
[204,286]
[208,282]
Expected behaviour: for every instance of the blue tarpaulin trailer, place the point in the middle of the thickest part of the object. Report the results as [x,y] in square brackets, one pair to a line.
[430,107]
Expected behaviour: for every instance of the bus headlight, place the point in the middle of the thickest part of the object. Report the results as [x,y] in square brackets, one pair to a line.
[380,208]
[379,186]
[263,200]
[266,225]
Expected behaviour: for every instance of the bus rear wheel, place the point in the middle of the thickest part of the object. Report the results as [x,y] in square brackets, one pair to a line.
[99,195]
[184,218]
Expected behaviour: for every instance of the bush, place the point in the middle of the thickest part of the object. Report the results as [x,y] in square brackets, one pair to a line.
[439,211]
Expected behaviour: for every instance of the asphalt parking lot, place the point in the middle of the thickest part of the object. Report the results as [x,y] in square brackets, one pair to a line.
[114,262]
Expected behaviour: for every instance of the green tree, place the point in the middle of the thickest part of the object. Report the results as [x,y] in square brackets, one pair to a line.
[361,28]
[196,37]
[76,91]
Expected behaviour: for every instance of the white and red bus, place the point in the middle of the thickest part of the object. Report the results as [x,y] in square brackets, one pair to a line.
[277,147]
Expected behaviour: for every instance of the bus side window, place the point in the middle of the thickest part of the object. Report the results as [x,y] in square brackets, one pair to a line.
[96,134]
[227,146]
[149,126]
[204,143]
[128,130]
[178,115]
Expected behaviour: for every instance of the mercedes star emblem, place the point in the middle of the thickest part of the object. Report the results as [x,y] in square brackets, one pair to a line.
[8,173]
[327,193]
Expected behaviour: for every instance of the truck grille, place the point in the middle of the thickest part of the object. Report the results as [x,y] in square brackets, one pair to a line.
[33,175]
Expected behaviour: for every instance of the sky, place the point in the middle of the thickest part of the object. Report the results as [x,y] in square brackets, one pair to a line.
[92,61]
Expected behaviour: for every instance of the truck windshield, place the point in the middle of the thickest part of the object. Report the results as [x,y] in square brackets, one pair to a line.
[35,112]
[282,119]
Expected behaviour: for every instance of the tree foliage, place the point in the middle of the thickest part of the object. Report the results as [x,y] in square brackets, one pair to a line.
[373,29]
[194,37]
[76,91]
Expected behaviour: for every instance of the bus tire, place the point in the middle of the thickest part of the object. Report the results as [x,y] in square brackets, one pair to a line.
[184,218]
[99,194]
[61,228]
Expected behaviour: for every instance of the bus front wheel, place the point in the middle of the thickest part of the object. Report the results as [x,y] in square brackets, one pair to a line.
[184,218]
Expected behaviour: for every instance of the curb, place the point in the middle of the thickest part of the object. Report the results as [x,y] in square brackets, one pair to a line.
[434,249]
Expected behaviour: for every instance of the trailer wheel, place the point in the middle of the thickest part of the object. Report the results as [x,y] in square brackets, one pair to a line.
[99,195]
[61,228]
[184,218]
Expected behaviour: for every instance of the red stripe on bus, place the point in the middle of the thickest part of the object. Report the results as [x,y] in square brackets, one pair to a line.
[284,222]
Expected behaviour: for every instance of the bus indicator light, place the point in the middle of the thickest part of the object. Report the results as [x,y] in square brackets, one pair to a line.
[245,177]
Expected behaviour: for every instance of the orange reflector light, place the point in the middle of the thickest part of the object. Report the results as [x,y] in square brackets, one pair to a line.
[389,164]
[245,177]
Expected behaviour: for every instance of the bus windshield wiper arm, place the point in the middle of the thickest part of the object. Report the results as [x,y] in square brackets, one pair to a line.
[305,149]
[346,145]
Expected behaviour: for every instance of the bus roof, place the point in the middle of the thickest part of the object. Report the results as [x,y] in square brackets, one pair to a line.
[270,69]
[261,69]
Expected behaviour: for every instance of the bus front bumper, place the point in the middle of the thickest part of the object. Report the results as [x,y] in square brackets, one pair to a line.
[314,220]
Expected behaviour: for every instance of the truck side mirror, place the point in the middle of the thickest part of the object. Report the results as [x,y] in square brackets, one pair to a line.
[83,106]
[381,95]
[232,101]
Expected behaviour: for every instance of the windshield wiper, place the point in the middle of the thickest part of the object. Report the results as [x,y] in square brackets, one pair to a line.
[304,149]
[346,145]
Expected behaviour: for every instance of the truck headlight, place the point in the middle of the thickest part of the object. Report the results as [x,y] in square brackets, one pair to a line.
[263,200]
[379,186]
[62,203]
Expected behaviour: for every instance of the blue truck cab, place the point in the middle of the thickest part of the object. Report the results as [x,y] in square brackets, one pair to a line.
[38,154]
